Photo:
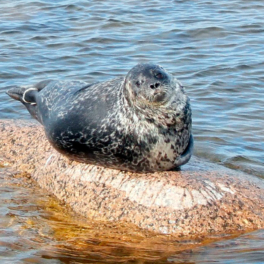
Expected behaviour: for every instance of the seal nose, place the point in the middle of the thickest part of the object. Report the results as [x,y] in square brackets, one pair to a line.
[155,85]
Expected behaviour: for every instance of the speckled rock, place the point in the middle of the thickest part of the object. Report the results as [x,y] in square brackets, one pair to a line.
[201,199]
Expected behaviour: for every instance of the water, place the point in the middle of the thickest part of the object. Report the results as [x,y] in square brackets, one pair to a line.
[37,228]
[214,47]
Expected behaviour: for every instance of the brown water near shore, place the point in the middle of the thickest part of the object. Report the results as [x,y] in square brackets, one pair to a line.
[37,228]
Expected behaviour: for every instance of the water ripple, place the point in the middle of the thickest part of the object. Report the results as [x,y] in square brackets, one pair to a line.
[214,47]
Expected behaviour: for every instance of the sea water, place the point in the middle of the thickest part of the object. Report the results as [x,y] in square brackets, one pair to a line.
[215,48]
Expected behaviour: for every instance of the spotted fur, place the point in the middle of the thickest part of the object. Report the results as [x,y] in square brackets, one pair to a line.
[140,122]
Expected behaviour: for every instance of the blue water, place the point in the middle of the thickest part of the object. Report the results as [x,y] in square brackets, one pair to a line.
[214,47]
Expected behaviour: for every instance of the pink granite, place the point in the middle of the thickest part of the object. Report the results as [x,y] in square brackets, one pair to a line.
[201,199]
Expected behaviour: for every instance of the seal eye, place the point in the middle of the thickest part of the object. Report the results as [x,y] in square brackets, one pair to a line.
[159,75]
[138,83]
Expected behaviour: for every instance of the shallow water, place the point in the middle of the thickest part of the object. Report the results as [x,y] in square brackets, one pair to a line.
[37,228]
[214,47]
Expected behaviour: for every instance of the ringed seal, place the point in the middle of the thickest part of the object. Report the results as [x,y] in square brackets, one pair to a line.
[140,122]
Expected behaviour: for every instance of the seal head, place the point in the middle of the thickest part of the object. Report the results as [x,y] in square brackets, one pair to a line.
[149,83]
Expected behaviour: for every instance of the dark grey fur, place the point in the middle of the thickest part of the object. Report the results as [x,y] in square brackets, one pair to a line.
[141,122]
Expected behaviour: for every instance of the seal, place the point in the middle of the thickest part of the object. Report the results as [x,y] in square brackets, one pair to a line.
[140,122]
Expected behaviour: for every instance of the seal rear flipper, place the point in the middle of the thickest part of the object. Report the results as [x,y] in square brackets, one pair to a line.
[27,95]
[41,85]
[15,93]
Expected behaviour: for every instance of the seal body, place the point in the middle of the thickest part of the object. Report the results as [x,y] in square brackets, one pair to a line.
[140,122]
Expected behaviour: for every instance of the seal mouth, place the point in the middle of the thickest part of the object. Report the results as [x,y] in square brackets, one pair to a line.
[186,155]
[159,96]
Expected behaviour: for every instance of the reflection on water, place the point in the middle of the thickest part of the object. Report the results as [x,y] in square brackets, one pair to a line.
[244,249]
[36,228]
[214,47]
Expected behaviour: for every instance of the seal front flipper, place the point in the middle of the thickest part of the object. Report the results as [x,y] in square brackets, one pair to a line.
[186,155]
[27,95]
